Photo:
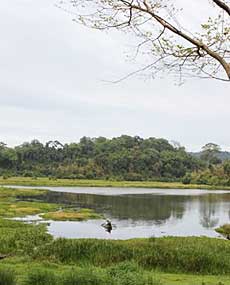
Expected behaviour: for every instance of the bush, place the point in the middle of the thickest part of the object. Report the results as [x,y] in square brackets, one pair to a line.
[123,267]
[27,173]
[187,179]
[40,277]
[224,230]
[7,277]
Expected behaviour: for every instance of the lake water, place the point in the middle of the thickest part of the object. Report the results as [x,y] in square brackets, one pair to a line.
[137,212]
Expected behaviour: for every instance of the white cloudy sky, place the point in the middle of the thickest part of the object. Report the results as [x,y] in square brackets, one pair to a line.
[51,86]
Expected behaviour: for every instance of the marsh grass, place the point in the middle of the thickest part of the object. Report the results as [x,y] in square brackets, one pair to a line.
[22,192]
[27,181]
[71,215]
[22,209]
[129,273]
[11,206]
[7,277]
[19,238]
[41,277]
[171,254]
[85,277]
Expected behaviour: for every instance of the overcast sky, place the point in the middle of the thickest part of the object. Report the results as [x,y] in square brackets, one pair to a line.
[52,74]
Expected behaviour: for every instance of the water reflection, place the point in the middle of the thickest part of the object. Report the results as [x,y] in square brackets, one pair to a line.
[144,215]
[147,207]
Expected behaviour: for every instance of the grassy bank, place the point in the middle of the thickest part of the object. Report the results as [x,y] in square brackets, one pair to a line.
[12,205]
[27,181]
[36,259]
[38,273]
[190,255]
[169,254]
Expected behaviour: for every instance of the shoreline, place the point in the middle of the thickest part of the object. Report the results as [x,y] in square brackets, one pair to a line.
[43,182]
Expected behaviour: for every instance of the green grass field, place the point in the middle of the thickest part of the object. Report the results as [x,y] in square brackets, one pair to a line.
[27,181]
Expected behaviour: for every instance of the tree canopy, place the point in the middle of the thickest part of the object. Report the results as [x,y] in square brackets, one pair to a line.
[119,158]
[167,43]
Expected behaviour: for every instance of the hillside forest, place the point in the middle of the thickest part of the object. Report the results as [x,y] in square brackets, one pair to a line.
[121,158]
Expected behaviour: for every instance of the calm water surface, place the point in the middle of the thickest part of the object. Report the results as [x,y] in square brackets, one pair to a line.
[137,212]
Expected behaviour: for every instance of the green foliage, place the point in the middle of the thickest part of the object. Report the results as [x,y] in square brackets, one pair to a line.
[41,277]
[7,277]
[224,230]
[187,179]
[213,175]
[122,158]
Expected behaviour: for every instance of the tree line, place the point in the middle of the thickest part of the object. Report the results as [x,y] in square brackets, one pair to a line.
[120,158]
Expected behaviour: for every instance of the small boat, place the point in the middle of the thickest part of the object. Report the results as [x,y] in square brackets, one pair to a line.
[108,226]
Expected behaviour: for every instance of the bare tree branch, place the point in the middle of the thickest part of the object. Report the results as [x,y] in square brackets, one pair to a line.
[222,5]
[198,44]
[172,47]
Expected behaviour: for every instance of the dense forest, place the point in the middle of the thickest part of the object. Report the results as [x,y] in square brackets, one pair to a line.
[121,158]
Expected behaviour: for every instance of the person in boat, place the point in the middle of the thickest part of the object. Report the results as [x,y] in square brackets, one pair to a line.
[108,226]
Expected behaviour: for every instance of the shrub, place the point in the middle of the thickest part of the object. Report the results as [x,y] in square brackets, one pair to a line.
[27,173]
[187,179]
[224,230]
[123,267]
[7,277]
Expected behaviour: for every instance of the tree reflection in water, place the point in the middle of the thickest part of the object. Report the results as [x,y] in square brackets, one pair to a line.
[152,209]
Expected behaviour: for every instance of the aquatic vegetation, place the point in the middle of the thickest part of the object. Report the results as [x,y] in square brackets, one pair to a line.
[20,192]
[11,204]
[22,209]
[224,230]
[71,215]
[11,207]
